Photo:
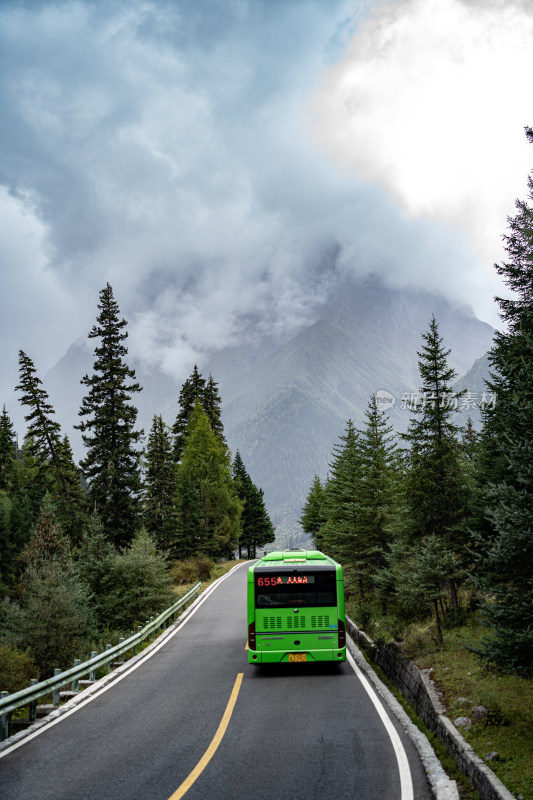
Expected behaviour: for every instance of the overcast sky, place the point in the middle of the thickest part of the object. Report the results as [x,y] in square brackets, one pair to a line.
[207,158]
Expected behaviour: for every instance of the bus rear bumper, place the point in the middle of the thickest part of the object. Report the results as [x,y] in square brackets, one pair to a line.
[284,657]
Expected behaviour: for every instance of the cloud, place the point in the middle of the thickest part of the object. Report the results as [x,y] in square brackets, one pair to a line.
[166,148]
[430,101]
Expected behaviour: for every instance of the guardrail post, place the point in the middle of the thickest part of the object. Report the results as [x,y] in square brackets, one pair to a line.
[4,721]
[108,647]
[77,662]
[152,633]
[92,673]
[33,704]
[139,629]
[121,656]
[55,699]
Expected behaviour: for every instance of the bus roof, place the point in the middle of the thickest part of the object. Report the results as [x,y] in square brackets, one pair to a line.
[295,556]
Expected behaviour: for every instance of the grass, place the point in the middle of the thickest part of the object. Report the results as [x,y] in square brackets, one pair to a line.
[464,682]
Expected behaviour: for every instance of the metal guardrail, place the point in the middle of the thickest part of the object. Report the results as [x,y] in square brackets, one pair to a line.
[30,695]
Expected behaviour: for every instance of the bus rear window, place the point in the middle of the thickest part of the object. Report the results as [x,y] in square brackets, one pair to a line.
[295,588]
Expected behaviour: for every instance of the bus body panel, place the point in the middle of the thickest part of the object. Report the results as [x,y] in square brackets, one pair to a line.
[286,620]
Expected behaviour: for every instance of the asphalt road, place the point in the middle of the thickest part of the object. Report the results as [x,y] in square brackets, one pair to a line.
[295,731]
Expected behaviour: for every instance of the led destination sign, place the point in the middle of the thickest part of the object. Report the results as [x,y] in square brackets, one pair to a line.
[283,580]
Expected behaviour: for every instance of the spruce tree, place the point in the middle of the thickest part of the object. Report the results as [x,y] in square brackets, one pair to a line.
[7,451]
[256,527]
[159,485]
[112,463]
[191,392]
[505,548]
[209,509]
[345,477]
[378,502]
[314,512]
[46,446]
[197,390]
[437,491]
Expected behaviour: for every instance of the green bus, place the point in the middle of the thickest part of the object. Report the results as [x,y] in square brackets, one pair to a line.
[296,608]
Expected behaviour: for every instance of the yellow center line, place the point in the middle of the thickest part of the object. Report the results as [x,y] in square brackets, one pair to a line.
[211,750]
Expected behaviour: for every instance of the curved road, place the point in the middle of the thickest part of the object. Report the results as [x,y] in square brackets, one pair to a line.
[195,720]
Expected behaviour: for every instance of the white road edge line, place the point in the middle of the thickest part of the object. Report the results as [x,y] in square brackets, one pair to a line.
[406,783]
[98,692]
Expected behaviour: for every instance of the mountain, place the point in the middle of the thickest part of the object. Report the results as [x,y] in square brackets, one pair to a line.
[285,405]
[286,412]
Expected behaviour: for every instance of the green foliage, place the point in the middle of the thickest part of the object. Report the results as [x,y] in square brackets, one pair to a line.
[256,528]
[111,465]
[435,486]
[196,390]
[51,454]
[53,620]
[209,509]
[137,584]
[314,512]
[16,669]
[159,512]
[7,451]
[192,570]
[505,547]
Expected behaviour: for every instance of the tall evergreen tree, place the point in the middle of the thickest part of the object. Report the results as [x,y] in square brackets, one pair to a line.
[112,463]
[197,390]
[314,512]
[505,547]
[341,503]
[7,451]
[209,509]
[436,490]
[46,445]
[191,392]
[160,485]
[256,527]
[377,500]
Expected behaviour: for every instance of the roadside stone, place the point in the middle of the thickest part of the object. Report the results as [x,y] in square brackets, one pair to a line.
[463,722]
[462,701]
[479,713]
[493,756]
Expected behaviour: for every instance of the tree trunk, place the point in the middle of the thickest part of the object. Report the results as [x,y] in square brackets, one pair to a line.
[453,592]
[437,621]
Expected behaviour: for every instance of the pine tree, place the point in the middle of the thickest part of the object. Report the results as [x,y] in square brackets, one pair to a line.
[160,485]
[256,527]
[194,390]
[505,548]
[209,510]
[314,512]
[191,392]
[377,498]
[341,505]
[7,451]
[437,491]
[112,463]
[137,584]
[45,442]
[53,620]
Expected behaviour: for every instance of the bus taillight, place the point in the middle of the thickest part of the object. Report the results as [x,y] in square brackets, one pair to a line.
[251,636]
[342,634]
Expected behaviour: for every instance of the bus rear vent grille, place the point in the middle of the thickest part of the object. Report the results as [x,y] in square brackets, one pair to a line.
[318,622]
[272,623]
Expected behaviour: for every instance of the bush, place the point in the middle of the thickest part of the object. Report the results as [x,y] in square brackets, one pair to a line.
[192,570]
[17,668]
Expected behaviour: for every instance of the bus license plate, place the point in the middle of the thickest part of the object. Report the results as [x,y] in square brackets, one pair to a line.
[297,657]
